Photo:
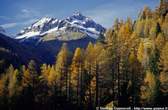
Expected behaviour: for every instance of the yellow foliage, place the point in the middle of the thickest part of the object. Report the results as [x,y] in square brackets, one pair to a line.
[76,67]
[110,105]
[132,57]
[139,29]
[165,28]
[61,67]
[140,54]
[93,85]
[3,81]
[163,64]
[45,71]
[78,55]
[149,88]
[145,49]
[52,78]
[12,83]
[125,31]
[160,41]
[26,78]
[150,79]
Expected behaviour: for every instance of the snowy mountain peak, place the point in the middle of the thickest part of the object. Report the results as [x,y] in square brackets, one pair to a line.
[75,23]
[78,15]
[42,21]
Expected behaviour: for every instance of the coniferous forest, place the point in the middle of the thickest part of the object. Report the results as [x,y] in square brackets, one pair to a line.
[126,67]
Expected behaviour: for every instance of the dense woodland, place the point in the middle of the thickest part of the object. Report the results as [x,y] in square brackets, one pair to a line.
[128,66]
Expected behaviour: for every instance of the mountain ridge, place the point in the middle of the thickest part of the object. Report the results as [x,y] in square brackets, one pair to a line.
[75,23]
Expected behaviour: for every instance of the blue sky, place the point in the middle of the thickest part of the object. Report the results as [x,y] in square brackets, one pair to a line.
[16,14]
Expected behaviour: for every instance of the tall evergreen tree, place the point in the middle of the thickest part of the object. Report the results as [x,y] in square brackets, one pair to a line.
[149,90]
[77,75]
[61,68]
[163,67]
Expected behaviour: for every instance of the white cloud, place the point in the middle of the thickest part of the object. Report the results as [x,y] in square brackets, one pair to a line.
[25,17]
[12,25]
[24,14]
[27,14]
[28,22]
[25,11]
[9,25]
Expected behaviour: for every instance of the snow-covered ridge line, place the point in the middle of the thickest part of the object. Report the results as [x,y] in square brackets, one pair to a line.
[76,22]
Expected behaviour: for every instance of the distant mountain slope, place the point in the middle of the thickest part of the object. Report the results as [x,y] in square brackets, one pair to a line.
[12,52]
